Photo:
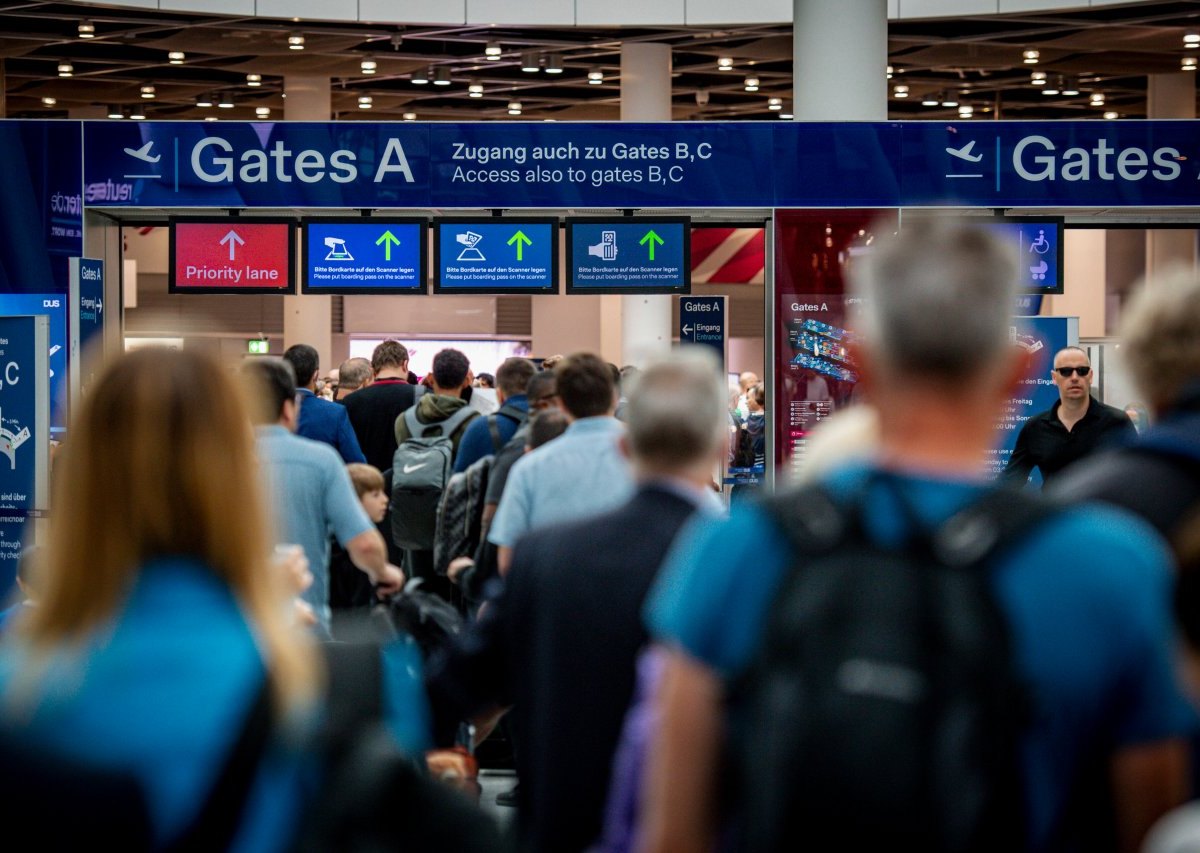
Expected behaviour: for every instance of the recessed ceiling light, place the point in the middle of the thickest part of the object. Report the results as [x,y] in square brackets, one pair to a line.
[787,114]
[595,77]
[554,64]
[890,72]
[419,78]
[1070,89]
[1188,63]
[296,41]
[65,69]
[966,111]
[1031,57]
[1097,99]
[949,101]
[751,84]
[49,102]
[225,102]
[475,90]
[900,90]
[1038,78]
[1112,115]
[148,92]
[87,30]
[931,101]
[115,112]
[369,66]
[365,102]
[409,116]
[1191,39]
[441,76]
[775,103]
[204,101]
[493,50]
[254,80]
[724,63]
[262,112]
[211,118]
[1051,89]
[176,57]
[138,114]
[530,63]
[514,108]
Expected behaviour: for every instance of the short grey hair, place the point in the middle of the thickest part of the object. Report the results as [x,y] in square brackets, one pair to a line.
[1161,335]
[354,373]
[937,299]
[675,410]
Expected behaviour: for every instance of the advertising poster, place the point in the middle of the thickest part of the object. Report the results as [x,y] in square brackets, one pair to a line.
[1040,338]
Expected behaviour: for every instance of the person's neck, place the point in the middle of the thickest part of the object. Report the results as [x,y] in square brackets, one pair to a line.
[698,477]
[1073,410]
[930,428]
[391,373]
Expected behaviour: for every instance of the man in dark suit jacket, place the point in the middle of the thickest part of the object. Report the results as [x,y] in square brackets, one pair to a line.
[320,420]
[560,642]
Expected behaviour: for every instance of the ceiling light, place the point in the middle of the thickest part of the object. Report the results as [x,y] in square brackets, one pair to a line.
[1188,63]
[1070,89]
[1111,115]
[949,101]
[441,76]
[775,103]
[900,90]
[49,102]
[369,66]
[554,64]
[1191,39]
[115,112]
[514,108]
[365,102]
[595,77]
[296,41]
[1050,89]
[87,30]
[475,90]
[931,100]
[262,112]
[1031,57]
[138,114]
[65,69]
[890,72]
[204,101]
[211,118]
[751,84]
[176,57]
[225,102]
[493,50]
[409,116]
[254,80]
[419,78]
[147,91]
[1038,78]
[530,62]
[724,63]
[1097,99]
[966,111]
[786,113]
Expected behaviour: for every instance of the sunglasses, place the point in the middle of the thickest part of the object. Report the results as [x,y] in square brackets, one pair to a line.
[1067,371]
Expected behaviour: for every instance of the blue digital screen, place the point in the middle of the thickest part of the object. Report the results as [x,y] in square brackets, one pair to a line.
[364,256]
[1040,244]
[496,256]
[54,305]
[640,255]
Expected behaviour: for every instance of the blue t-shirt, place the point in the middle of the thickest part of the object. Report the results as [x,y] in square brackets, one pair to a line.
[1087,597]
[476,441]
[162,691]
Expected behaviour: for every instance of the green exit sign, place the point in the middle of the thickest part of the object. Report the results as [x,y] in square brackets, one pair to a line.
[258,347]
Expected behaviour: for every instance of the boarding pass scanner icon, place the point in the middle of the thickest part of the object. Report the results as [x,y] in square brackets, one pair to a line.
[606,248]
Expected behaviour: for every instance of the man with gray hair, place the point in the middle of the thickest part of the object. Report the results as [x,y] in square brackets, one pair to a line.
[354,375]
[559,643]
[1082,593]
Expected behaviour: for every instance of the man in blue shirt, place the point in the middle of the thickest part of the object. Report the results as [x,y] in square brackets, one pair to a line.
[320,420]
[1086,593]
[580,473]
[312,494]
[511,381]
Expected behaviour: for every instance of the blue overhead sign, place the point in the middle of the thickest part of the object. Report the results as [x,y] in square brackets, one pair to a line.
[496,255]
[635,255]
[702,321]
[54,306]
[363,256]
[675,164]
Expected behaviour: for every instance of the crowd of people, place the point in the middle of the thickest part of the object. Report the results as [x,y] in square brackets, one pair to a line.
[892,652]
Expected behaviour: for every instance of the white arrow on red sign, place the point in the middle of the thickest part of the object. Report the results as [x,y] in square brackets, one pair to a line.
[234,240]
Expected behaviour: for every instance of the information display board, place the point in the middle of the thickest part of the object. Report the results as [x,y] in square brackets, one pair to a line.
[630,255]
[496,255]
[232,255]
[54,307]
[376,255]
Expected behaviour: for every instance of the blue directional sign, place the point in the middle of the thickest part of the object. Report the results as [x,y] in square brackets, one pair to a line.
[364,256]
[702,321]
[496,255]
[87,275]
[54,306]
[631,255]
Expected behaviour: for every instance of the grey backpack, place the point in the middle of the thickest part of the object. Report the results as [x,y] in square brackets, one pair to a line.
[421,468]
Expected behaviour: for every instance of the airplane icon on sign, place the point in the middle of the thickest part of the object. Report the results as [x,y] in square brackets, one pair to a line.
[963,153]
[143,153]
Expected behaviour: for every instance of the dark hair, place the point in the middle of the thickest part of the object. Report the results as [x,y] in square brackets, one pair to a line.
[450,368]
[486,380]
[585,385]
[759,393]
[272,382]
[616,374]
[513,376]
[540,386]
[546,425]
[304,361]
[389,354]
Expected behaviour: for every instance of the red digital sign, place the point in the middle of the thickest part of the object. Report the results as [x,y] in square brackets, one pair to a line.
[234,255]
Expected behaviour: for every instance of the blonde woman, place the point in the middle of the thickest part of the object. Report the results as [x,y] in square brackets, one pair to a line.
[161,617]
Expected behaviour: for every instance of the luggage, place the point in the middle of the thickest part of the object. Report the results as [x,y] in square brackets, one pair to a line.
[421,468]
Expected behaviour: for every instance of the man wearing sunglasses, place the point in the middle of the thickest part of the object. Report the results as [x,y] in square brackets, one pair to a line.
[1073,427]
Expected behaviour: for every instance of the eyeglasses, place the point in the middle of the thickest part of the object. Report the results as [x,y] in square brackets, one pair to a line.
[1067,371]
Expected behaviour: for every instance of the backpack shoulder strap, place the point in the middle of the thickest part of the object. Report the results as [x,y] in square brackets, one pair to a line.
[456,420]
[416,429]
[494,432]
[810,518]
[419,391]
[512,412]
[990,525]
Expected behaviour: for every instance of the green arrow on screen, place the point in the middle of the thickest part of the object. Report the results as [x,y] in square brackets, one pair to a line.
[652,239]
[522,241]
[388,239]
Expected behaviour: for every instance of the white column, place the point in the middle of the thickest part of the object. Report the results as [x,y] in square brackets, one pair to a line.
[1170,96]
[839,53]
[308,319]
[645,96]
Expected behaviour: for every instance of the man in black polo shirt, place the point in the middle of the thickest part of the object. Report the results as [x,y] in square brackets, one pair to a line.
[1074,427]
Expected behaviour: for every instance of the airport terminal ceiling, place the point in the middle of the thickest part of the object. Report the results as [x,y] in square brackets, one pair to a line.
[475,72]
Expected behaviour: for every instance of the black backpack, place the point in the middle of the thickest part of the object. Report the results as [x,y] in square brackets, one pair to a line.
[883,712]
[460,512]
